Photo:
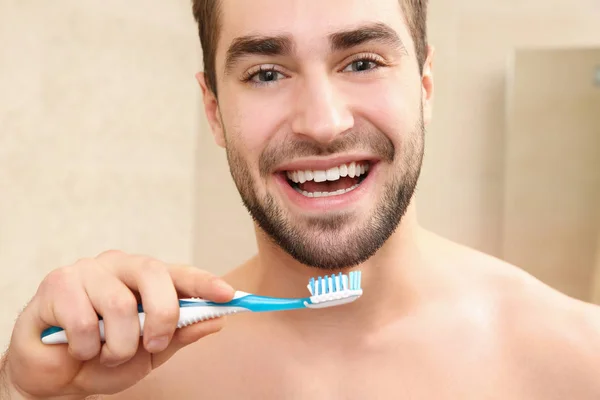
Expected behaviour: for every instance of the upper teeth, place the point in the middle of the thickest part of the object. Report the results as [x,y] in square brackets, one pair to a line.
[351,170]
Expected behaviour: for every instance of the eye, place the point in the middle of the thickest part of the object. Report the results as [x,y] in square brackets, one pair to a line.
[264,76]
[362,65]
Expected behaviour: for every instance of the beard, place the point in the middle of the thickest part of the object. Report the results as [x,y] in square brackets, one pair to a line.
[338,240]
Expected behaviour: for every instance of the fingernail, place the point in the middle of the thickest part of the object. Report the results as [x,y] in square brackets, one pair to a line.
[224,286]
[157,344]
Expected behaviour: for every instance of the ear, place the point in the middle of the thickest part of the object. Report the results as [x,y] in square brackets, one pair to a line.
[211,108]
[427,84]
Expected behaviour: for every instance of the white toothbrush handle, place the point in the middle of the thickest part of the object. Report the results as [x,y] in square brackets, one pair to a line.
[187,316]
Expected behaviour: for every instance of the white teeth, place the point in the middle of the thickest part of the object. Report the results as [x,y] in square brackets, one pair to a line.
[301,177]
[343,170]
[333,174]
[351,170]
[319,176]
[326,194]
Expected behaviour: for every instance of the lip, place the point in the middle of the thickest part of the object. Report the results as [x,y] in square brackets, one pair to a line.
[321,164]
[320,205]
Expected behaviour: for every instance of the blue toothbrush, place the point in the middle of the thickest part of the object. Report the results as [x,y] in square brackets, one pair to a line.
[328,291]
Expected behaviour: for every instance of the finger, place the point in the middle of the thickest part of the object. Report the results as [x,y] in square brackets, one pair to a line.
[188,281]
[194,282]
[159,300]
[51,364]
[52,306]
[75,314]
[186,336]
[68,306]
[117,305]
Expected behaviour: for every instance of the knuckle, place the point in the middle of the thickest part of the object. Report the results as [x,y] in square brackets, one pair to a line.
[58,279]
[121,304]
[84,352]
[83,326]
[122,352]
[152,266]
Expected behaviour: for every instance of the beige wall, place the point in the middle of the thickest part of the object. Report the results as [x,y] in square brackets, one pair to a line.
[552,169]
[464,164]
[596,285]
[99,112]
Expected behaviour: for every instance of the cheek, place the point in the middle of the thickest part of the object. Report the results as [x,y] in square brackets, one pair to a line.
[390,105]
[254,120]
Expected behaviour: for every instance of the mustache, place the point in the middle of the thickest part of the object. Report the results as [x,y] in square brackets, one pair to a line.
[365,140]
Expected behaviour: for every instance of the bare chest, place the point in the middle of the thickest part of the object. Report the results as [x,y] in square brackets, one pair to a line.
[391,374]
[385,381]
[445,363]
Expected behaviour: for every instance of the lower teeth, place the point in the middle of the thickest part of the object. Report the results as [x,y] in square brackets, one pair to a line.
[326,194]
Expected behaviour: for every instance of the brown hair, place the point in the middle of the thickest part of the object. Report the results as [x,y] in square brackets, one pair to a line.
[207,13]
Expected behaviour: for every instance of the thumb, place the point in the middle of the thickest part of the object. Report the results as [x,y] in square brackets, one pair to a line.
[186,336]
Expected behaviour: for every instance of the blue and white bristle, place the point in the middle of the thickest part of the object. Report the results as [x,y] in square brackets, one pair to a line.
[334,283]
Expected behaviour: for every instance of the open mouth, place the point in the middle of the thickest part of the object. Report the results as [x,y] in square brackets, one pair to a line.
[331,182]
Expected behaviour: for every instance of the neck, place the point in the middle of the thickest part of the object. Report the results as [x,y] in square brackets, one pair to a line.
[390,280]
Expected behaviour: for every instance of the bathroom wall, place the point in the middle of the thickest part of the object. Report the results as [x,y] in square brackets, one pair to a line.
[98,111]
[103,143]
[552,168]
[595,297]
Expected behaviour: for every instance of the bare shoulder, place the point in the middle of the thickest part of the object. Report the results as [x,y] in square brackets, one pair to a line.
[550,338]
[524,299]
[546,334]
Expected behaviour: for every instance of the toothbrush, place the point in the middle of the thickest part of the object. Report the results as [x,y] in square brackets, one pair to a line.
[328,291]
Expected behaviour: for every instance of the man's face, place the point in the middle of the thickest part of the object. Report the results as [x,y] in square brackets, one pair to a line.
[320,109]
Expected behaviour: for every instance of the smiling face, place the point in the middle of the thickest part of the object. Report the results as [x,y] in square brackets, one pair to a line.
[322,110]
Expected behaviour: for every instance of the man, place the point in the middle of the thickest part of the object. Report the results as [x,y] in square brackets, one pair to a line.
[295,90]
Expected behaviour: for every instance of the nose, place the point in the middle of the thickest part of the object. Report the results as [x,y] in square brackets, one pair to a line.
[320,112]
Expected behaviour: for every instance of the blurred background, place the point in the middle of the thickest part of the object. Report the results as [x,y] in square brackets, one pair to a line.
[103,141]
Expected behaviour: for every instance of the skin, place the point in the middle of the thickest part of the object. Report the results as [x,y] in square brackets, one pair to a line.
[437,319]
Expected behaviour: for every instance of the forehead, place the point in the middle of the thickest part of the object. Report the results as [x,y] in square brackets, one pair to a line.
[307,22]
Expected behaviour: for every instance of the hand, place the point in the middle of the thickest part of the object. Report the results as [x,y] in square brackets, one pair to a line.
[110,285]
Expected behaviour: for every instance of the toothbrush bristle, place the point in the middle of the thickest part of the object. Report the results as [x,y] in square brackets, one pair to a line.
[334,290]
[334,283]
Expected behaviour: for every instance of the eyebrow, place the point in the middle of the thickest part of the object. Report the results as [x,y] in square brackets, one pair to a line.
[257,45]
[283,45]
[377,32]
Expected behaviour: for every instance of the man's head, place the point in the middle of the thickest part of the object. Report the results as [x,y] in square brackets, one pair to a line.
[322,107]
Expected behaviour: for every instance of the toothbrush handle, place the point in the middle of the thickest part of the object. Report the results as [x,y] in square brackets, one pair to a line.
[187,316]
